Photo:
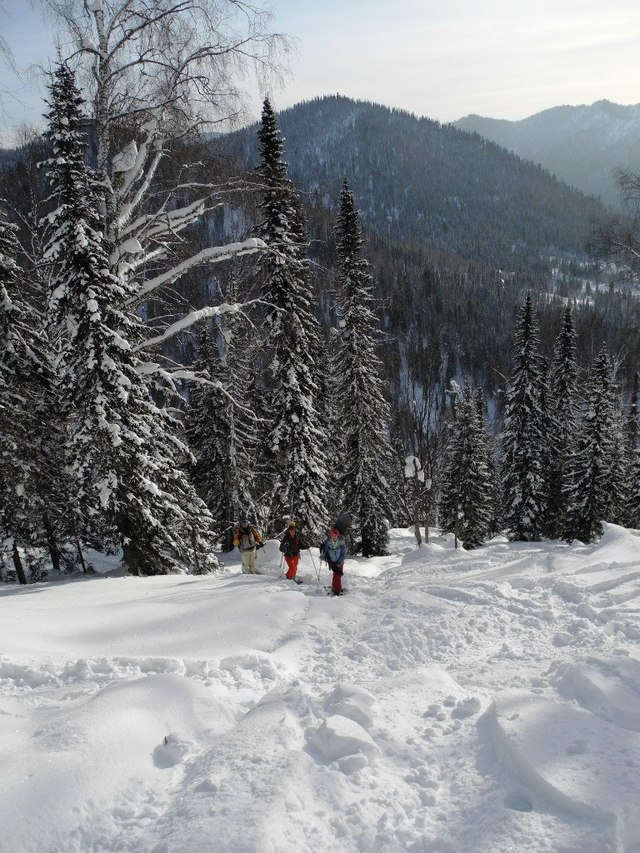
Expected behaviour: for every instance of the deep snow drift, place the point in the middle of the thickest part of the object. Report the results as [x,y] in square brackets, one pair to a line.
[451,701]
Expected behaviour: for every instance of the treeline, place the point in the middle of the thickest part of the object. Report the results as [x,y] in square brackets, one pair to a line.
[98,451]
[179,346]
[567,457]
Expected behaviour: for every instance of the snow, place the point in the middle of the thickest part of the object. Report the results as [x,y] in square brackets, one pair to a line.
[452,701]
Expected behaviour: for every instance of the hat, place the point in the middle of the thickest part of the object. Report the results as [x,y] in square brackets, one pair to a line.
[243,519]
[292,523]
[334,532]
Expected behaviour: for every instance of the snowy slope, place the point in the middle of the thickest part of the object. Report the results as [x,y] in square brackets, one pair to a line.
[451,701]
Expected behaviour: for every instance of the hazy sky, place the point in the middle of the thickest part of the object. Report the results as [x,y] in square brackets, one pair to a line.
[439,58]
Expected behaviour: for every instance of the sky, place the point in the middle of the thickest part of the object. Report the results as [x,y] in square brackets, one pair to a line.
[438,58]
[452,701]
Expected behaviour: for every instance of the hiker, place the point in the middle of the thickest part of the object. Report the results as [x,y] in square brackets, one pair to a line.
[291,545]
[247,539]
[333,550]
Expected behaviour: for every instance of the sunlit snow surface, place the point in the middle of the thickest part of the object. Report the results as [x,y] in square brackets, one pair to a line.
[451,701]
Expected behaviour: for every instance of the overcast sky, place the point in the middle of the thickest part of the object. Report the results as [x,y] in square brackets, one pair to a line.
[439,58]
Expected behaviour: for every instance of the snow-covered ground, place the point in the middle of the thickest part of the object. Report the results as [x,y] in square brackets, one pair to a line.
[451,701]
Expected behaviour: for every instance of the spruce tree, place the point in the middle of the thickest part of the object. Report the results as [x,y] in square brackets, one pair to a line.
[633,457]
[562,423]
[222,429]
[595,488]
[365,420]
[127,463]
[293,448]
[524,441]
[487,448]
[21,369]
[467,497]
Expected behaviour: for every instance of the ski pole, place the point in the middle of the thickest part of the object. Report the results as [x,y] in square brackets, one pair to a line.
[317,570]
[313,562]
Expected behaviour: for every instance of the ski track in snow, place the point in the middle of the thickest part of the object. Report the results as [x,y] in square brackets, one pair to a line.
[452,701]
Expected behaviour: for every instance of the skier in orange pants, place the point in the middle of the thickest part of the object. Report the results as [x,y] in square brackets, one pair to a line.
[291,545]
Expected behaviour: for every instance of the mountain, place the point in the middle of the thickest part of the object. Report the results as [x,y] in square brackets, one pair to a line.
[430,185]
[584,145]
[457,229]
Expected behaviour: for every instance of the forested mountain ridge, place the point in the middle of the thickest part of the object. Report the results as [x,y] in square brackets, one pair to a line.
[583,145]
[430,185]
[457,230]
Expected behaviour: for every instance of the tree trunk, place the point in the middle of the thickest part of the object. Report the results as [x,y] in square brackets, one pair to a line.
[17,562]
[52,545]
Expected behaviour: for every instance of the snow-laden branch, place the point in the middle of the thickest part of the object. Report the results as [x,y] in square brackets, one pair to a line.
[196,317]
[213,254]
[152,368]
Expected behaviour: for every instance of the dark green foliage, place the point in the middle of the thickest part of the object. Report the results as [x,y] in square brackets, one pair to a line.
[293,447]
[524,441]
[562,424]
[127,464]
[593,488]
[364,413]
[467,492]
[632,448]
[222,427]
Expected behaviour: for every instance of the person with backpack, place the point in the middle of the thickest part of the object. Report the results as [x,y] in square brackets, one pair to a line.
[334,551]
[247,540]
[290,546]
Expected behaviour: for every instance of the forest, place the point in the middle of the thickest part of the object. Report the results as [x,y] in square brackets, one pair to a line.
[280,324]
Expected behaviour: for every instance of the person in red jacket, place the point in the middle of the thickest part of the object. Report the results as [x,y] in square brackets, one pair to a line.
[291,545]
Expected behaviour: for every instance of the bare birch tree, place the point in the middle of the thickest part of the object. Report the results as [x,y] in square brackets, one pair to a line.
[153,72]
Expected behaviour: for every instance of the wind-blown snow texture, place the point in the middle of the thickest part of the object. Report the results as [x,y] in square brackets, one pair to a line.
[452,701]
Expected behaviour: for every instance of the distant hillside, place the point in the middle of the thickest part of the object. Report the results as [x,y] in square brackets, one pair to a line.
[432,186]
[456,230]
[583,146]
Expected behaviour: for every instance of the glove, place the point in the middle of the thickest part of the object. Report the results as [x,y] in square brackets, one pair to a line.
[259,545]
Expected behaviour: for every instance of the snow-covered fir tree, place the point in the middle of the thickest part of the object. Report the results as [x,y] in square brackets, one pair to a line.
[595,490]
[222,427]
[562,416]
[632,445]
[365,415]
[524,441]
[293,448]
[487,447]
[127,462]
[467,499]
[21,372]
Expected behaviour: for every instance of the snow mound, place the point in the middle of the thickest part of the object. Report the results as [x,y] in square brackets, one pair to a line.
[348,700]
[94,755]
[616,545]
[576,761]
[609,689]
[340,739]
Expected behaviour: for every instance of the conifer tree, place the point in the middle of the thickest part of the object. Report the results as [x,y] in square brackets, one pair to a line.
[466,494]
[126,460]
[222,429]
[365,419]
[21,365]
[293,448]
[595,489]
[523,439]
[562,427]
[487,447]
[633,457]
